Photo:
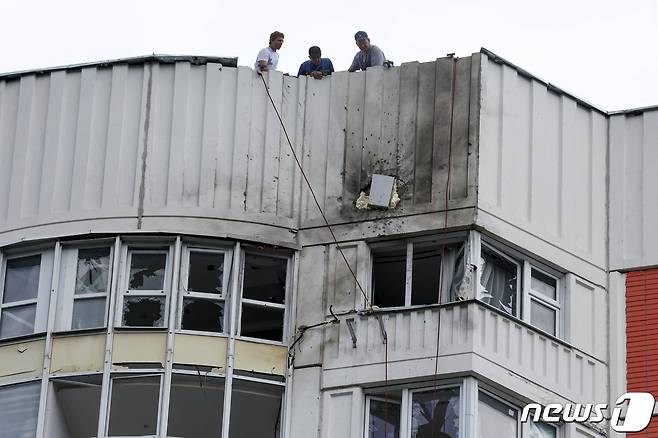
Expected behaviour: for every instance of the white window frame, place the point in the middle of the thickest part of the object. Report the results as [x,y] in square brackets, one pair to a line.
[226,284]
[265,304]
[525,266]
[67,280]
[522,428]
[126,376]
[42,300]
[130,249]
[532,295]
[447,240]
[380,397]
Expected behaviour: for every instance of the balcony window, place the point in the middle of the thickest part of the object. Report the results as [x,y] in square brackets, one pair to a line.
[263,303]
[521,287]
[408,272]
[256,409]
[25,293]
[497,414]
[384,416]
[134,405]
[19,407]
[196,404]
[74,406]
[435,413]
[85,275]
[145,299]
[203,299]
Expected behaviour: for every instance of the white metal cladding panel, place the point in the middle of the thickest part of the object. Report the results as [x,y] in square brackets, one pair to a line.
[68,145]
[468,329]
[542,164]
[179,140]
[633,190]
[396,121]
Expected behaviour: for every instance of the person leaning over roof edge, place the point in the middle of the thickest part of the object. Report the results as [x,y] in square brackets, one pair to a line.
[368,55]
[267,58]
[316,66]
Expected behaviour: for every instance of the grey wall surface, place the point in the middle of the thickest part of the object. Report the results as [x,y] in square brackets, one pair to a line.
[542,170]
[634,190]
[198,148]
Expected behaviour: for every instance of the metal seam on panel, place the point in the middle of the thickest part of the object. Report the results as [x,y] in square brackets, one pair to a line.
[317,203]
[147,122]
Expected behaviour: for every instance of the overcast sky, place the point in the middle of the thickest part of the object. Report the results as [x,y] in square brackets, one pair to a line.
[603,51]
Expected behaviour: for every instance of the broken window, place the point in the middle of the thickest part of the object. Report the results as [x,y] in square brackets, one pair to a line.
[204,299]
[435,413]
[145,300]
[500,279]
[19,409]
[263,296]
[73,406]
[134,405]
[520,287]
[493,414]
[25,294]
[384,416]
[91,286]
[196,405]
[255,409]
[408,273]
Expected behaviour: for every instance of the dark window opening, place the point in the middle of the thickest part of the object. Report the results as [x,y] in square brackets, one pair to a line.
[206,272]
[263,323]
[426,273]
[203,315]
[75,406]
[196,406]
[147,271]
[389,277]
[143,311]
[265,278]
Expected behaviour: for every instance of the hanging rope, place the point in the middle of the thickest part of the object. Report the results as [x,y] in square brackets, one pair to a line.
[315,199]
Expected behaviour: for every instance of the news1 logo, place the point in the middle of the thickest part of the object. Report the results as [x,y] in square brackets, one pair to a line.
[637,416]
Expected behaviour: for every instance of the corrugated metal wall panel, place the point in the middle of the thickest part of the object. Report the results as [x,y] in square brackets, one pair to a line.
[542,164]
[642,341]
[633,190]
[167,140]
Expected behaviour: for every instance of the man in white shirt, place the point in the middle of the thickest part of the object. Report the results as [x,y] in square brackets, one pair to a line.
[267,58]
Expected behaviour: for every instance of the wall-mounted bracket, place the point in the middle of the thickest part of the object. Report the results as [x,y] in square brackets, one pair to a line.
[350,327]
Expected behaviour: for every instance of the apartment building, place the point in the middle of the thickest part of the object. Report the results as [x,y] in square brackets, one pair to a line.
[166,271]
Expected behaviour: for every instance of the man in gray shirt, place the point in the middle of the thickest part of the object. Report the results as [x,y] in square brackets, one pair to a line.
[368,56]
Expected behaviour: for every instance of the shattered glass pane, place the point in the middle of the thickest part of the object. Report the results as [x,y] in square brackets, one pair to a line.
[147,271]
[542,430]
[383,419]
[93,270]
[206,272]
[498,280]
[389,273]
[134,406]
[436,411]
[143,311]
[203,315]
[265,278]
[263,323]
[89,313]
[17,321]
[22,279]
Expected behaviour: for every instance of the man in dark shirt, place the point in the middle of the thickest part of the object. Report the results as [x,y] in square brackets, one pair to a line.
[316,66]
[368,55]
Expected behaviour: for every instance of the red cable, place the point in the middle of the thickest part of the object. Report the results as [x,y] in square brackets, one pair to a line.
[445,226]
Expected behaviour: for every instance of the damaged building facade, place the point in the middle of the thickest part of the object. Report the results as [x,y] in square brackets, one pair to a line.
[165,270]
